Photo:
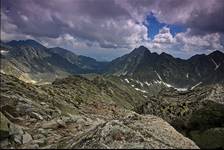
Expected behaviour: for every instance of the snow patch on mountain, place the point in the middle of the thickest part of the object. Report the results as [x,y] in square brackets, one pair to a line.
[2,71]
[124,73]
[3,52]
[143,91]
[166,84]
[158,76]
[180,89]
[216,65]
[139,83]
[196,85]
[170,86]
[148,84]
[127,80]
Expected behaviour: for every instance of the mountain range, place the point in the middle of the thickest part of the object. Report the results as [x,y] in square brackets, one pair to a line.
[32,62]
[143,65]
[53,98]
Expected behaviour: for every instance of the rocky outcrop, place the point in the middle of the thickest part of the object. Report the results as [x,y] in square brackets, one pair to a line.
[134,131]
[12,134]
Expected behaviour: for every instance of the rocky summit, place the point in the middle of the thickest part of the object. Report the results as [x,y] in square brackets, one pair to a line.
[53,98]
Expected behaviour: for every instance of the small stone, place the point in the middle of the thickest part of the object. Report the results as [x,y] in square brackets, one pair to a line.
[33,120]
[17,139]
[50,125]
[39,136]
[80,121]
[43,103]
[27,138]
[61,123]
[44,132]
[67,119]
[36,116]
[39,141]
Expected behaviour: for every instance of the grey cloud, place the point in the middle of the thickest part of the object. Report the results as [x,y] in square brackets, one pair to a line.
[52,18]
[109,24]
[208,20]
[202,16]
[97,21]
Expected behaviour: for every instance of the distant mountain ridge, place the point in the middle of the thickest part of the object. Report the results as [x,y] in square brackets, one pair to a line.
[30,61]
[143,65]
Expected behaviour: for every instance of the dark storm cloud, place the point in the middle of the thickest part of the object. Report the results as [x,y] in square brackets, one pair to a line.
[202,16]
[52,18]
[209,21]
[38,21]
[109,23]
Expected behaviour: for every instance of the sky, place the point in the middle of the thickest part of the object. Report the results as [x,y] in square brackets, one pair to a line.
[106,29]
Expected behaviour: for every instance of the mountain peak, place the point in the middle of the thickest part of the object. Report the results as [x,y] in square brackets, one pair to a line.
[28,42]
[216,53]
[140,50]
[143,48]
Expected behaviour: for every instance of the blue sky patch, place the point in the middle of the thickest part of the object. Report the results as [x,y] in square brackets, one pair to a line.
[154,26]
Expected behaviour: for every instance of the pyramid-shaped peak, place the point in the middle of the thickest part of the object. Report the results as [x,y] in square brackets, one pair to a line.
[143,48]
[140,50]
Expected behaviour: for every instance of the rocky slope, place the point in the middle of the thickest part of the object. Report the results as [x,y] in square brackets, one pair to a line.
[76,113]
[196,113]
